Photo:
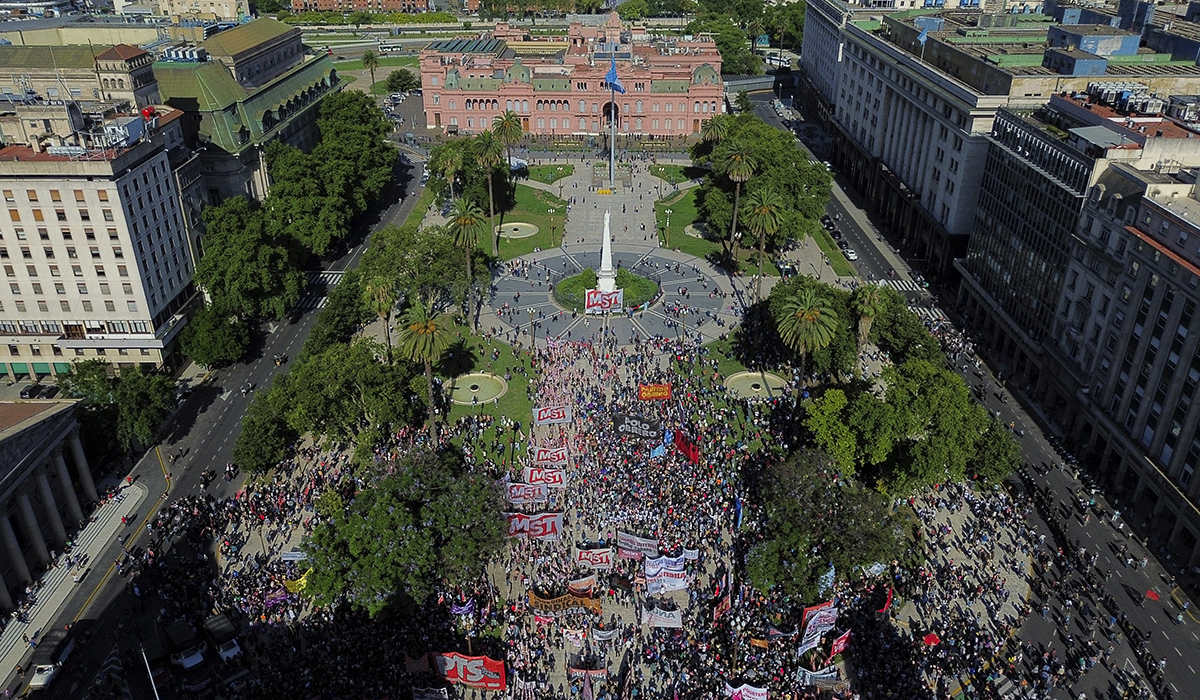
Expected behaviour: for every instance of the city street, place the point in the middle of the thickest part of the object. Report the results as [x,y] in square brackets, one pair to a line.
[103,608]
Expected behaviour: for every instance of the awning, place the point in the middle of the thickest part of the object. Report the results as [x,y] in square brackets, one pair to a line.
[19,368]
[41,367]
[62,367]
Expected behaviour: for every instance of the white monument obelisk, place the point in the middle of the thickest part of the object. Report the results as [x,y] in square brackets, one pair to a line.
[606,278]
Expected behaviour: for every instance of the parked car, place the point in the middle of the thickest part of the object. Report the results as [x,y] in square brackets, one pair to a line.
[837,235]
[49,391]
[843,245]
[31,391]
[851,254]
[49,656]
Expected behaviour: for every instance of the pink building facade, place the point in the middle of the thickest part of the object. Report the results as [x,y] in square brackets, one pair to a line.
[557,86]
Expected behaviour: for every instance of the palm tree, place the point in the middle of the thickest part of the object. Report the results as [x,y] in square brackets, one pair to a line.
[868,302]
[806,324]
[380,293]
[370,61]
[764,216]
[715,130]
[467,225]
[490,153]
[508,129]
[449,163]
[424,339]
[740,169]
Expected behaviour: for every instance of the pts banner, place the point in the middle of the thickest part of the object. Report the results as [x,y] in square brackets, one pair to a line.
[471,671]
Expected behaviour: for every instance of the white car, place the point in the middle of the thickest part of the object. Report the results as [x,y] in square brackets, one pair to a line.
[850,254]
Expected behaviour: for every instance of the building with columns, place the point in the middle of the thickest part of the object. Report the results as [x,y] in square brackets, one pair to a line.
[557,87]
[44,483]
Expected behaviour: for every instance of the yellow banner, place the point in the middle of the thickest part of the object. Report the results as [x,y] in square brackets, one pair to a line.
[297,585]
[562,605]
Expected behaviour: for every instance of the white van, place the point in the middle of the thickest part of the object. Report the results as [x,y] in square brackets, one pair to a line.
[49,656]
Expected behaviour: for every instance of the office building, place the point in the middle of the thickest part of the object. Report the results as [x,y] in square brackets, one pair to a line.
[910,99]
[558,87]
[1039,169]
[94,246]
[1123,378]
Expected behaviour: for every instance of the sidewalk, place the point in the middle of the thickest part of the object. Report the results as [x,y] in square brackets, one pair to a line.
[853,206]
[57,584]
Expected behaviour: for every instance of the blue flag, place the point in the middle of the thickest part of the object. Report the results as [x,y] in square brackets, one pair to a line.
[921,38]
[658,451]
[611,78]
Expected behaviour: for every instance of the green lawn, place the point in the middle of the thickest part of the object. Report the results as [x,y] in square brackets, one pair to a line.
[550,174]
[837,261]
[683,213]
[675,174]
[533,206]
[384,62]
[474,354]
[727,363]
[417,215]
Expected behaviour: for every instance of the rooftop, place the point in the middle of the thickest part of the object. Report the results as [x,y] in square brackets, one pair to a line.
[14,59]
[1170,129]
[15,416]
[242,38]
[122,52]
[210,84]
[26,154]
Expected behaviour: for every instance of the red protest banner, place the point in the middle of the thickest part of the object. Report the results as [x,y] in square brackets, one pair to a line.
[687,447]
[471,671]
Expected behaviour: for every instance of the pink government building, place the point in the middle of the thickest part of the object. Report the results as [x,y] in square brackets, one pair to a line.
[557,86]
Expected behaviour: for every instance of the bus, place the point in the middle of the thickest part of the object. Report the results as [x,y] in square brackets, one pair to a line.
[777,61]
[390,48]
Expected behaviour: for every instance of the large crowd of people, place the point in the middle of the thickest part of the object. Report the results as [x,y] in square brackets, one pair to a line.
[728,633]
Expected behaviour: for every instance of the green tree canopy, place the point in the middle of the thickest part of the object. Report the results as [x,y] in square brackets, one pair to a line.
[345,311]
[401,80]
[144,400]
[429,520]
[840,356]
[731,40]
[812,519]
[266,438]
[298,207]
[424,338]
[213,339]
[355,160]
[825,419]
[346,389]
[245,270]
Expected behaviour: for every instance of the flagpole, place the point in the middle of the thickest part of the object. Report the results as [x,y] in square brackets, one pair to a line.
[612,138]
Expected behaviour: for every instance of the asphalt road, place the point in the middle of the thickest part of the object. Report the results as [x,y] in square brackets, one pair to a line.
[871,263]
[107,616]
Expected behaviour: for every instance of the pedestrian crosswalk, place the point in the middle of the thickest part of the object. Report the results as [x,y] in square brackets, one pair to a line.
[324,278]
[900,285]
[929,314]
[110,682]
[311,301]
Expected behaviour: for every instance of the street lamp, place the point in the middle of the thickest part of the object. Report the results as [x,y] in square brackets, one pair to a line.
[532,337]
[552,211]
[667,230]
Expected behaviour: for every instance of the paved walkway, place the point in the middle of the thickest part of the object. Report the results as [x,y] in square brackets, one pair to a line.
[58,584]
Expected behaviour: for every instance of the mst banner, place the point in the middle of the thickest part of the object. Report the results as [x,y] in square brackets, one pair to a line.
[596,559]
[598,302]
[550,478]
[634,547]
[563,605]
[550,456]
[637,427]
[526,493]
[539,526]
[471,671]
[654,392]
[549,415]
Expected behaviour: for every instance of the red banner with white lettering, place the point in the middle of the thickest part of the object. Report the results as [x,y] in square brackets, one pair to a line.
[471,671]
[598,559]
[550,456]
[840,644]
[540,526]
[550,478]
[550,415]
[598,302]
[526,493]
